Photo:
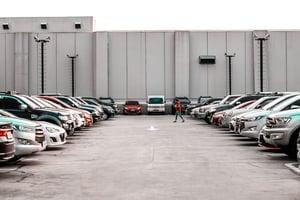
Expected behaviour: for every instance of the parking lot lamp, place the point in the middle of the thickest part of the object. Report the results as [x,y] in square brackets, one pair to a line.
[229,56]
[42,41]
[73,72]
[261,47]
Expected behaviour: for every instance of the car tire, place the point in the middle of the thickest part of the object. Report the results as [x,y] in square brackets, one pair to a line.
[291,149]
[105,116]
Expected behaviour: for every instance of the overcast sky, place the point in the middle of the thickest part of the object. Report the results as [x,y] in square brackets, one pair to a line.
[166,14]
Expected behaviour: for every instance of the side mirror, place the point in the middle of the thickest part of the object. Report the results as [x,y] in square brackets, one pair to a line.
[23,107]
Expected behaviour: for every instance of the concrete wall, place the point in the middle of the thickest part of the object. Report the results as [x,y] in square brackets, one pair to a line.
[132,65]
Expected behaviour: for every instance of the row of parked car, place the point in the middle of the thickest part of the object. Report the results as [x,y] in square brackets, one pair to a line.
[30,124]
[271,118]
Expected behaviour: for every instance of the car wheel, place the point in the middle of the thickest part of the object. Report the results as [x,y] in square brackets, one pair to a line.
[292,147]
[105,116]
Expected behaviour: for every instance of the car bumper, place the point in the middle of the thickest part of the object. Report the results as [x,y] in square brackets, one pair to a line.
[56,139]
[7,150]
[276,136]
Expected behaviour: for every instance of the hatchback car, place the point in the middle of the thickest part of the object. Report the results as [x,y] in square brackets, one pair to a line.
[132,107]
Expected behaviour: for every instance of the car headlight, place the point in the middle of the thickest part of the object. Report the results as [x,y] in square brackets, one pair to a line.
[282,120]
[63,117]
[25,141]
[28,129]
[51,129]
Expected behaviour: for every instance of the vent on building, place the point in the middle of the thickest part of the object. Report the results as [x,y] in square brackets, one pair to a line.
[44,25]
[77,25]
[5,26]
[207,59]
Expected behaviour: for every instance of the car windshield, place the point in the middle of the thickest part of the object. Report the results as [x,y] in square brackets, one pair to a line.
[108,100]
[184,100]
[30,103]
[157,100]
[203,99]
[132,103]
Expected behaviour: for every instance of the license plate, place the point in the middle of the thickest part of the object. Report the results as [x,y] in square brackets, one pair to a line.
[9,135]
[132,110]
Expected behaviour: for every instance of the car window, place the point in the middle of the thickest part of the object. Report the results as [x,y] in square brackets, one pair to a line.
[156,100]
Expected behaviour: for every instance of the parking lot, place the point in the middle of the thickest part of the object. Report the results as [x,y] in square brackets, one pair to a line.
[150,157]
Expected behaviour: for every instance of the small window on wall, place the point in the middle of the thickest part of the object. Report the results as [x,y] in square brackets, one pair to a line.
[207,59]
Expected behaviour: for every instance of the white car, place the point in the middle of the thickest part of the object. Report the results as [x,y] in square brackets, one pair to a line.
[54,135]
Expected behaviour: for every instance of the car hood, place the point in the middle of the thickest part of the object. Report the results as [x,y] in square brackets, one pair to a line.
[257,113]
[285,113]
[18,121]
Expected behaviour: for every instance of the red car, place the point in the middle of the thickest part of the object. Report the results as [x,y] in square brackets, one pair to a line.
[132,107]
[86,114]
[218,117]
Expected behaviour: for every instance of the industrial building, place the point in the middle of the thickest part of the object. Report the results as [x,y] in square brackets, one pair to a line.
[66,55]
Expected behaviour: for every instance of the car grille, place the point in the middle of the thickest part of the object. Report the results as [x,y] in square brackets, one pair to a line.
[62,137]
[39,134]
[270,122]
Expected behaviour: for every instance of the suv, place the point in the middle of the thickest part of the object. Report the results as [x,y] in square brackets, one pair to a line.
[156,104]
[20,106]
[252,123]
[108,101]
[282,130]
[185,102]
[7,142]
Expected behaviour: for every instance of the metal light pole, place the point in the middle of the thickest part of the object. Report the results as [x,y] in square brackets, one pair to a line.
[229,68]
[73,73]
[42,41]
[261,46]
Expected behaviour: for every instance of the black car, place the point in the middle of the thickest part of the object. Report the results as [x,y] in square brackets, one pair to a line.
[21,106]
[109,102]
[7,142]
[185,102]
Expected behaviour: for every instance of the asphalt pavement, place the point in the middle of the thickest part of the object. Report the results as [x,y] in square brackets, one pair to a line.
[151,157]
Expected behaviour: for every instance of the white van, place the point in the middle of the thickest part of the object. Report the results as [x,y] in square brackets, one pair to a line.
[156,104]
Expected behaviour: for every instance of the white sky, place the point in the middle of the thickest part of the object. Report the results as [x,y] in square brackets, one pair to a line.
[165,14]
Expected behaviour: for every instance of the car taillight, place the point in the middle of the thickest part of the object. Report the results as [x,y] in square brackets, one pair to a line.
[3,132]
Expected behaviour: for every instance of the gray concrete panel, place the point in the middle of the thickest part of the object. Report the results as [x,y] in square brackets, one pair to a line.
[249,72]
[34,58]
[65,45]
[277,62]
[217,72]
[236,44]
[293,69]
[101,64]
[83,64]
[50,63]
[169,65]
[117,65]
[136,65]
[21,62]
[198,72]
[3,62]
[155,64]
[182,64]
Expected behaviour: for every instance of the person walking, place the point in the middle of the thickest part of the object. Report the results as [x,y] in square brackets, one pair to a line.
[178,109]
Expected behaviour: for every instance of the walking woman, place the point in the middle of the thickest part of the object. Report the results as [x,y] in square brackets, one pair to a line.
[178,109]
